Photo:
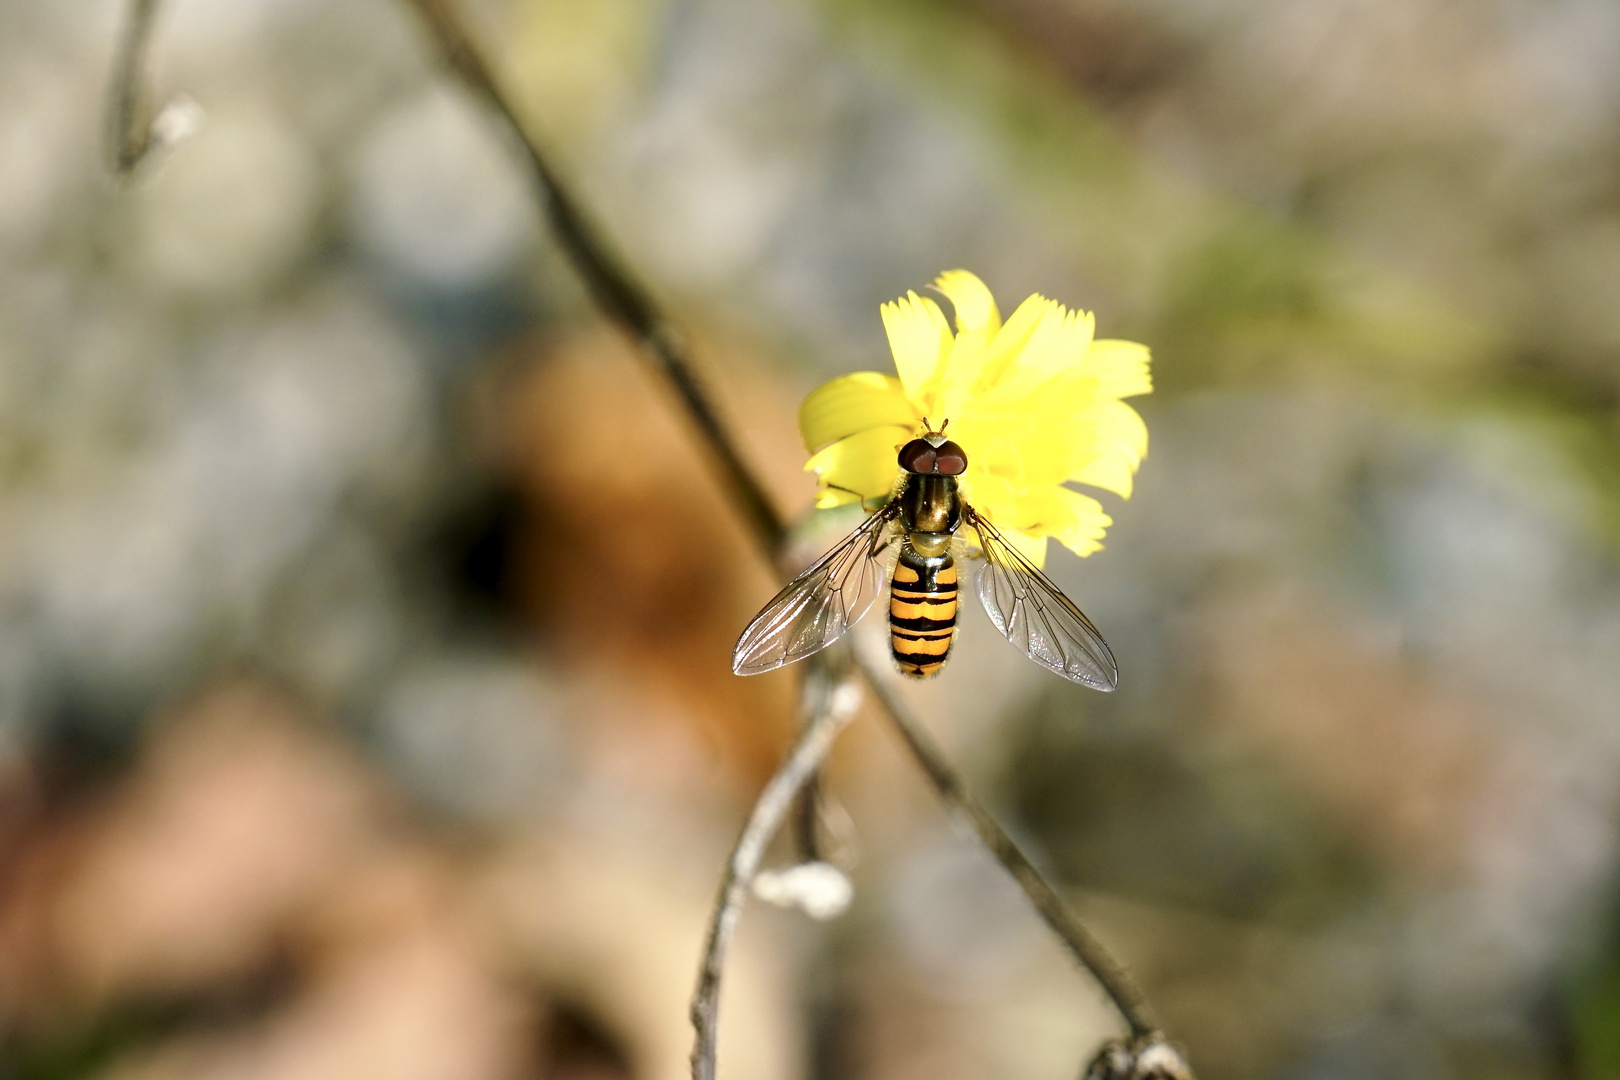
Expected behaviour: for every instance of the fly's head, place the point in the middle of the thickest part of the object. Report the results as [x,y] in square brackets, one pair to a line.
[932,453]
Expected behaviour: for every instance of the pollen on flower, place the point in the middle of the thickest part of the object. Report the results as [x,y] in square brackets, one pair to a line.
[1036,403]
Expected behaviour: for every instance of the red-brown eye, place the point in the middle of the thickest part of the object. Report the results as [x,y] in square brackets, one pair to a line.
[950,459]
[917,456]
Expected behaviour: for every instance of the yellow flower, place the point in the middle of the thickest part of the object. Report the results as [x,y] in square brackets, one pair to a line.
[1035,402]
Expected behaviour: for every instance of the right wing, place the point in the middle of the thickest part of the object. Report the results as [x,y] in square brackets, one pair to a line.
[1035,616]
[818,606]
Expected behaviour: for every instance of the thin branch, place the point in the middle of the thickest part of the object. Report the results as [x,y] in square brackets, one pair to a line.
[130,132]
[829,705]
[611,284]
[1086,948]
[807,821]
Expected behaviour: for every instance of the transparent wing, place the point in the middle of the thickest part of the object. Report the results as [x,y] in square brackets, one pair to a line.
[818,606]
[1035,615]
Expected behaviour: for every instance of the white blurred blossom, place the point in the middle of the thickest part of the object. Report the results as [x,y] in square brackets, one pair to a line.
[820,890]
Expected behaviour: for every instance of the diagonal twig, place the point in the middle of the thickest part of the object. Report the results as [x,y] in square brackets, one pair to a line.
[1113,978]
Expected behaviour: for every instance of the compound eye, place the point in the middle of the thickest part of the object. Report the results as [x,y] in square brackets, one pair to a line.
[917,457]
[950,459]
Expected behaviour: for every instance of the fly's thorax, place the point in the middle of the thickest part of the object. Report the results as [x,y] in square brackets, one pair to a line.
[930,504]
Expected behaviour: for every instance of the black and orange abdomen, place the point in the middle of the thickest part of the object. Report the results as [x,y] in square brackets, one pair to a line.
[922,612]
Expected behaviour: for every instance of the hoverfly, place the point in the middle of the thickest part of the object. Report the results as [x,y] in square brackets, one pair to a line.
[928,521]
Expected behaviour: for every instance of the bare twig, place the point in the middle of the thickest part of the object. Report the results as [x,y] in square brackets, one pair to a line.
[130,131]
[829,703]
[807,821]
[1086,948]
[616,291]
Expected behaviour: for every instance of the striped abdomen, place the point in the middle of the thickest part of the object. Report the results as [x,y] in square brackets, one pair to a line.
[922,612]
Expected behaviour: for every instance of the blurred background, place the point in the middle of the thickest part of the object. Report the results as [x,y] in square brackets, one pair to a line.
[365,602]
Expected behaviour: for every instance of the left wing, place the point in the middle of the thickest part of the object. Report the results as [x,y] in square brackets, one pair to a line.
[821,604]
[1035,616]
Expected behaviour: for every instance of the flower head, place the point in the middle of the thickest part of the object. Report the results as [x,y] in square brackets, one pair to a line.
[1035,402]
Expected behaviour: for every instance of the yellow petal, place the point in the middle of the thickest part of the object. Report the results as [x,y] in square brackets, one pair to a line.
[1120,367]
[1076,521]
[975,307]
[1011,339]
[1033,547]
[1081,545]
[918,337]
[990,494]
[841,407]
[827,498]
[1059,424]
[1060,342]
[1050,510]
[1111,472]
[1040,437]
[1081,525]
[1120,444]
[1055,347]
[955,396]
[863,463]
[1028,516]
[1000,448]
[1117,422]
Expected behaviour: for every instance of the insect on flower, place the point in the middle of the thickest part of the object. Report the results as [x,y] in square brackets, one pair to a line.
[1033,404]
